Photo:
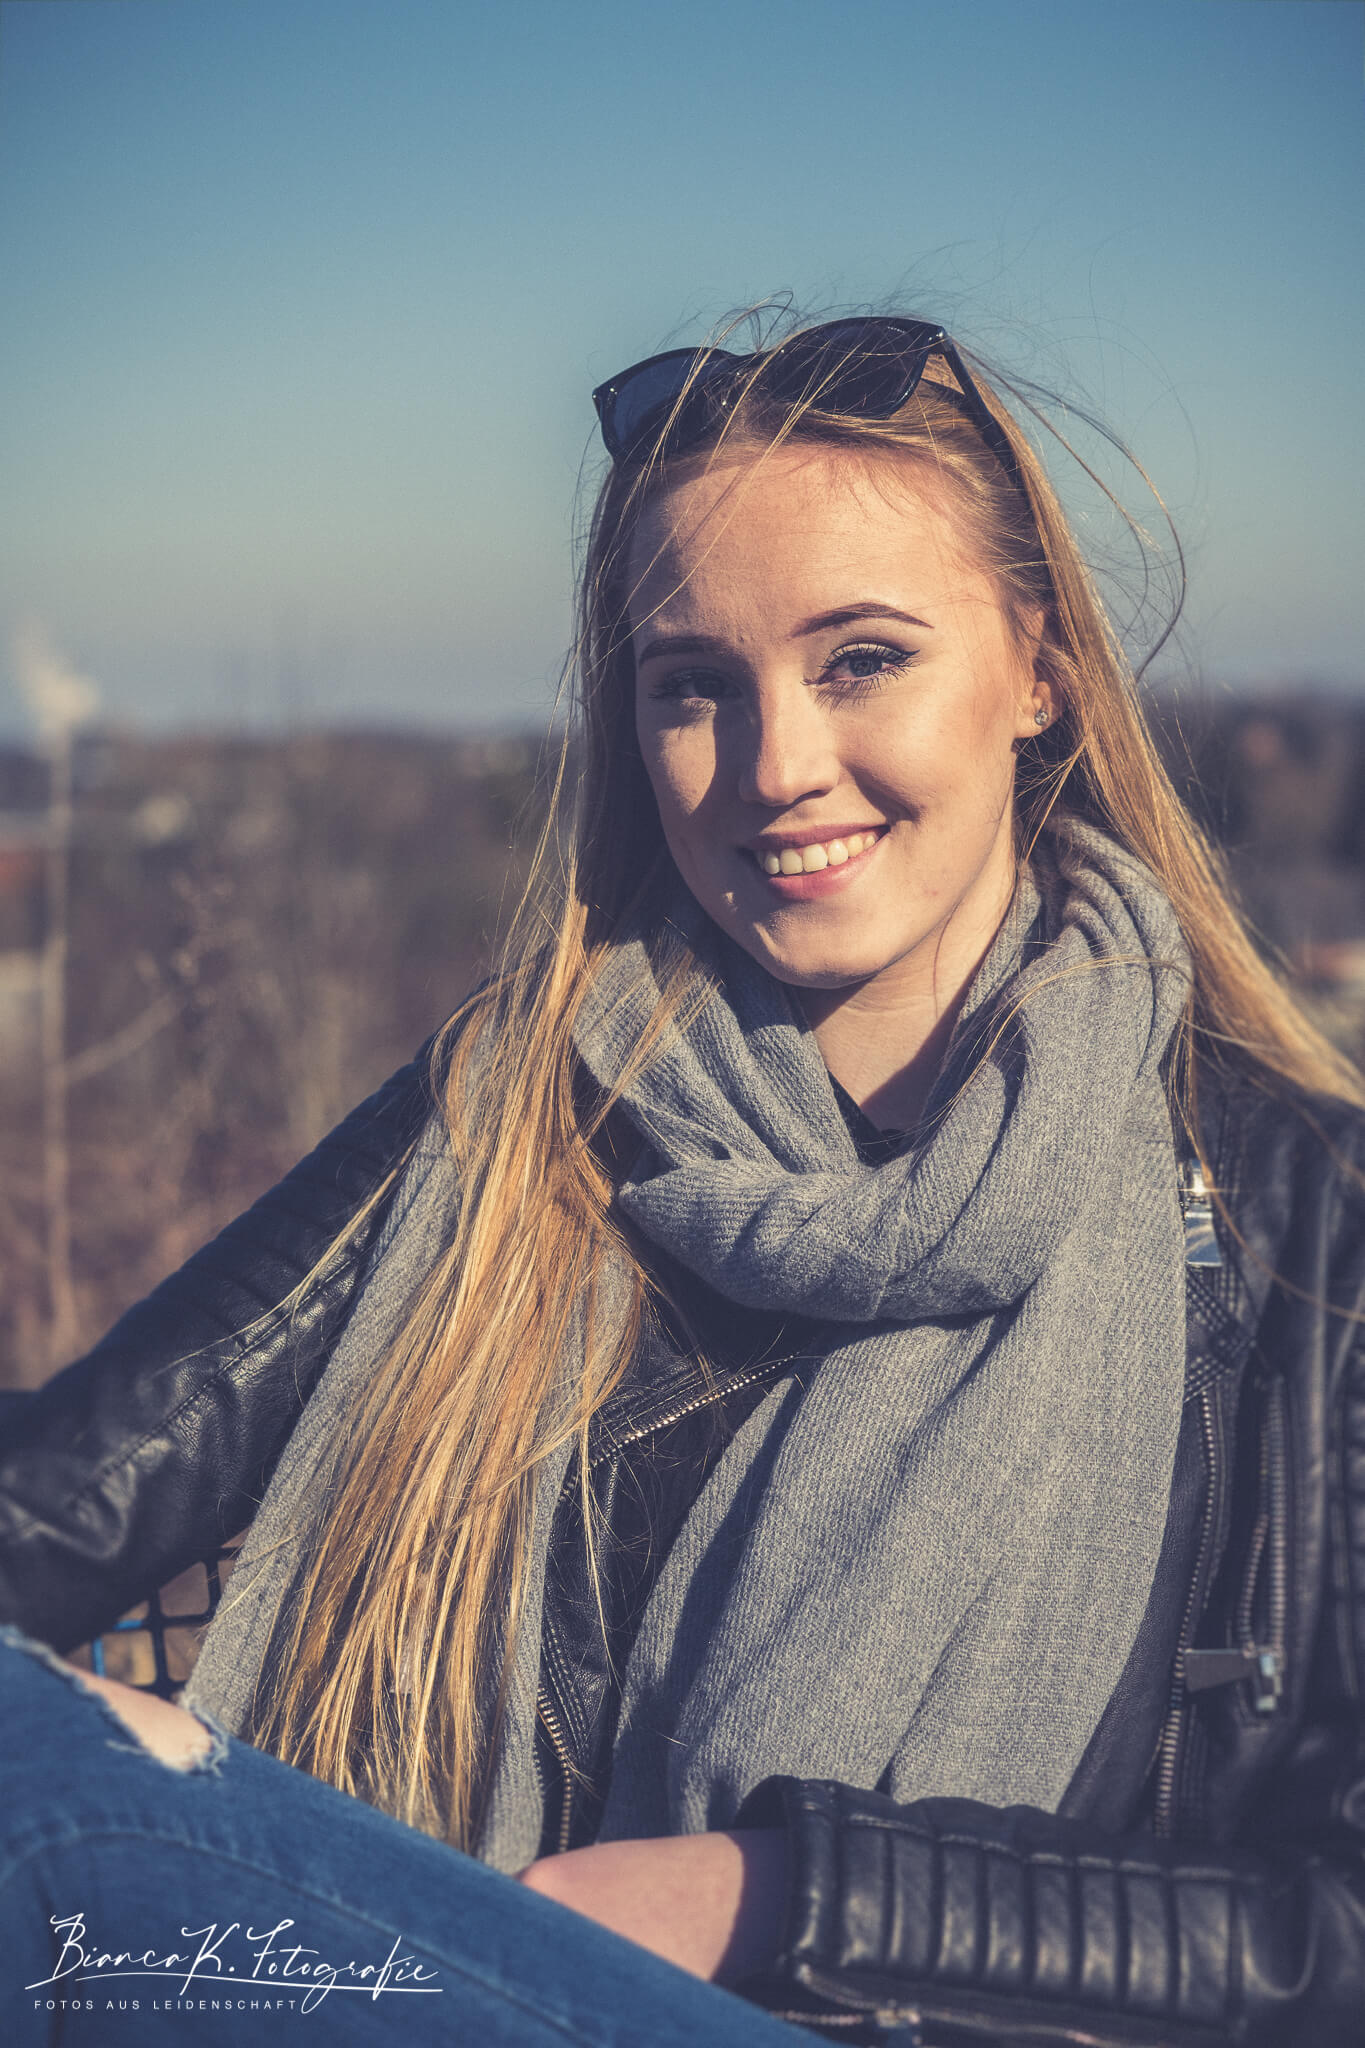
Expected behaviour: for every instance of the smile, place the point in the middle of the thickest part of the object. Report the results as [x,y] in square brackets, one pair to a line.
[812,858]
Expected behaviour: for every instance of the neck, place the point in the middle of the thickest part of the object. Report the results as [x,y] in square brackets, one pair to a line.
[886,1060]
[884,1039]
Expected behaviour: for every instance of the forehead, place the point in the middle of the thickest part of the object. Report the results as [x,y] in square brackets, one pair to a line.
[798,525]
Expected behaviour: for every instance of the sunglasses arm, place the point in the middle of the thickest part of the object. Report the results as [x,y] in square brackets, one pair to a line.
[992,433]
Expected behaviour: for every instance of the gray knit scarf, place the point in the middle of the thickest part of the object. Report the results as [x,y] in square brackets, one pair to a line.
[922,1564]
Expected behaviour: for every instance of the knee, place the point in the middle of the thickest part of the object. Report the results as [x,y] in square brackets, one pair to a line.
[39,1728]
[165,1731]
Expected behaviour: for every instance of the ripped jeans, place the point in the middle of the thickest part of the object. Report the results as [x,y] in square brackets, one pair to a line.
[239,1898]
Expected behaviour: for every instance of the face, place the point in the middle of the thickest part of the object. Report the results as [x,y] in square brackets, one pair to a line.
[828,696]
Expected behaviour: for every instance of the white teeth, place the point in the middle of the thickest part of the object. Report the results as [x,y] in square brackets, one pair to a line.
[809,860]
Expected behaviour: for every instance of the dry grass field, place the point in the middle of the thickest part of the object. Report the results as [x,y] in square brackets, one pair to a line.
[260,930]
[259,933]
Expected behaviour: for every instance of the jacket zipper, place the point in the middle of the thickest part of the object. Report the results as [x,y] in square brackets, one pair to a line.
[1277,1433]
[1269,1549]
[990,2029]
[545,1707]
[554,1729]
[1172,1735]
[1260,1664]
[866,2009]
[706,1400]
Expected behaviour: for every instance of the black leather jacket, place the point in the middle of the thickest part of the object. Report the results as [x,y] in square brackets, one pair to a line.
[1204,1881]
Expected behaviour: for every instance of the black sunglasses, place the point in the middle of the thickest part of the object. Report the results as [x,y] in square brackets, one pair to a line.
[865,369]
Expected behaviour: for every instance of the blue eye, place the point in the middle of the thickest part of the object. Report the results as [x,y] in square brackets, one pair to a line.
[865,667]
[688,685]
[851,671]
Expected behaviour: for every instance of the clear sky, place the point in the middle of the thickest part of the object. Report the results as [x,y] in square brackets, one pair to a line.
[301,301]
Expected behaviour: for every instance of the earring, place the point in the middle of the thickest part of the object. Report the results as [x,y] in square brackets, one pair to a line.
[1041,716]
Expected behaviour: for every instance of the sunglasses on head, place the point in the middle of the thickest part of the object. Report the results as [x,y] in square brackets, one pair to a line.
[864,369]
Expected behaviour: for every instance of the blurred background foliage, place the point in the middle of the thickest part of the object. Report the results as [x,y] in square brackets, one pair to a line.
[261,929]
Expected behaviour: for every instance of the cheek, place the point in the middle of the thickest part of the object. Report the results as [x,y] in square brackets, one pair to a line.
[663,780]
[951,766]
[988,731]
[992,742]
[944,753]
[680,765]
[654,754]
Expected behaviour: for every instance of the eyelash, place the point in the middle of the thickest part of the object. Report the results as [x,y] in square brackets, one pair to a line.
[678,686]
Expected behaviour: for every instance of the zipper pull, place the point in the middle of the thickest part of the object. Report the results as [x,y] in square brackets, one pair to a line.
[1201,1241]
[1267,1682]
[1204,1669]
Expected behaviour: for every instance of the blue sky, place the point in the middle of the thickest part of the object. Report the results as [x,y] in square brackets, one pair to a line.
[303,300]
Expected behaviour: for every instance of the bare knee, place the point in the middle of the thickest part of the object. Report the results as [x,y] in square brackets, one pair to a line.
[167,1731]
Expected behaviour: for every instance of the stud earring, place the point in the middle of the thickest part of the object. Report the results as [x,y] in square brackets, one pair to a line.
[1041,716]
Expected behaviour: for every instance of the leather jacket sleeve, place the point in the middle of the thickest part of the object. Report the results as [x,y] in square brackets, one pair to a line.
[971,1924]
[152,1450]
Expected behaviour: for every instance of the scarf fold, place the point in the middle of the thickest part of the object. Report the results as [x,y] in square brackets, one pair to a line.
[920,1565]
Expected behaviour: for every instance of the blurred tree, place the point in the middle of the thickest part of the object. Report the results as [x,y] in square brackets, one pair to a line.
[259,932]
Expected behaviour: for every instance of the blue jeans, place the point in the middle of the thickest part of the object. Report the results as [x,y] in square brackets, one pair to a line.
[239,1899]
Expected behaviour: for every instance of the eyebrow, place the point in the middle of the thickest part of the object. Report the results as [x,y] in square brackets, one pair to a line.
[819,622]
[845,614]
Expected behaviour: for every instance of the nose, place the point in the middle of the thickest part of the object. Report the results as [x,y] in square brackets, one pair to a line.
[789,750]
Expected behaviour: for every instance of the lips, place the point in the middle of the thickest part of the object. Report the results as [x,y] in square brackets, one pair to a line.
[811,881]
[812,856]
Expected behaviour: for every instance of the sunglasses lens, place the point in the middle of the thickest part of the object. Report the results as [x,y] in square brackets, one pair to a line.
[863,367]
[646,398]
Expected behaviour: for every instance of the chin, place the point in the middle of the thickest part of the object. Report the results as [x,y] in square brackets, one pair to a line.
[818,969]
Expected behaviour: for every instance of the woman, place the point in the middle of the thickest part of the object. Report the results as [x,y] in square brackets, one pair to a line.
[781,1474]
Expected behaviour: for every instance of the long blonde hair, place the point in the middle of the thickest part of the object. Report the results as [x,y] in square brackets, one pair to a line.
[390,1679]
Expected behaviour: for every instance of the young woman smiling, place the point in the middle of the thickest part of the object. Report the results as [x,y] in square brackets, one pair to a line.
[825,673]
[813,1426]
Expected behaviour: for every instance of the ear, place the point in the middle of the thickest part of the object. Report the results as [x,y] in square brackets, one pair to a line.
[1035,703]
